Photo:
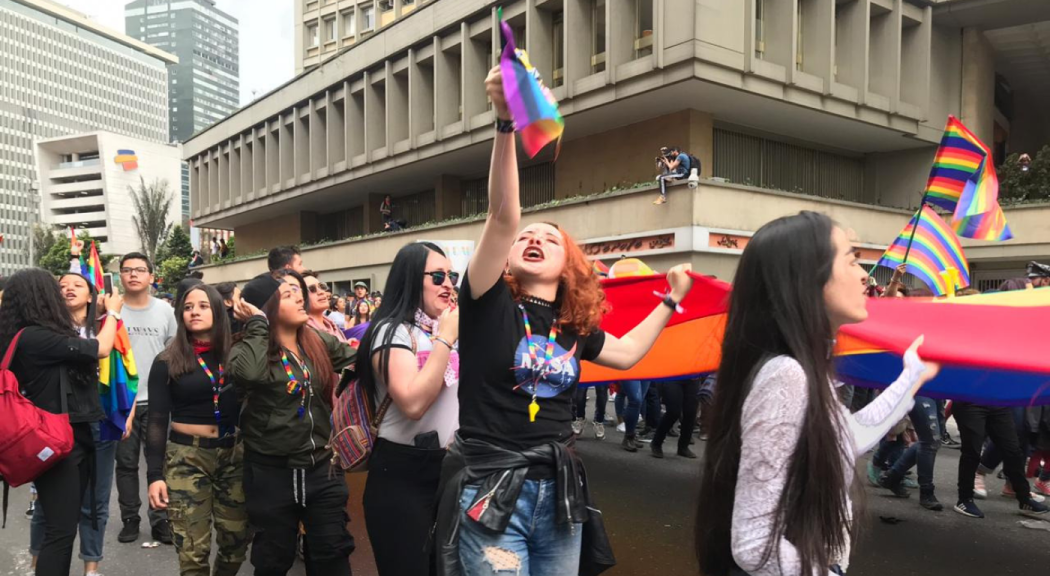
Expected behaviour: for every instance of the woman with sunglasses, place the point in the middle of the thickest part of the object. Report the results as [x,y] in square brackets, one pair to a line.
[196,471]
[414,377]
[515,495]
[283,369]
[319,301]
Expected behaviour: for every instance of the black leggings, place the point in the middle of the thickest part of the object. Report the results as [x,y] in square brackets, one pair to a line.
[682,400]
[59,491]
[400,504]
[278,498]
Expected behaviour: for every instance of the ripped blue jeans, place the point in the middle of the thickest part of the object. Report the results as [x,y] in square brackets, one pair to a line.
[534,544]
[924,452]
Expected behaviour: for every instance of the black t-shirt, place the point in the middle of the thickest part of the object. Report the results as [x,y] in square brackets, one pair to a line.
[495,384]
[38,363]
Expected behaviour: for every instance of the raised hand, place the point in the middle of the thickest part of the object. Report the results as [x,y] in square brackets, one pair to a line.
[913,362]
[494,89]
[680,280]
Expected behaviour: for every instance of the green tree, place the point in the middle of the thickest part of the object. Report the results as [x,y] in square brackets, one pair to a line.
[56,260]
[1018,186]
[176,245]
[233,249]
[152,204]
[43,239]
[171,271]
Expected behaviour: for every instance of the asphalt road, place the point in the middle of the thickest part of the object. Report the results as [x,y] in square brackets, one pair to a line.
[649,507]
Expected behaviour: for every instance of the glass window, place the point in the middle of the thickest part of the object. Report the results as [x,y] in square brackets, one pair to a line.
[368,18]
[643,29]
[386,5]
[312,39]
[760,29]
[558,43]
[329,30]
[598,37]
[349,23]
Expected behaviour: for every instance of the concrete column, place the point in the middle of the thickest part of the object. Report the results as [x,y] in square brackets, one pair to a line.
[884,71]
[701,140]
[577,43]
[538,31]
[818,39]
[978,84]
[852,37]
[448,197]
[619,35]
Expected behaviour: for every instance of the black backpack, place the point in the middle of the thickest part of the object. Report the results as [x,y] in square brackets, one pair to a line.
[694,164]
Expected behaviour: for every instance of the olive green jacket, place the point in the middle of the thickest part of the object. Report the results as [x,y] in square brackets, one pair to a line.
[270,422]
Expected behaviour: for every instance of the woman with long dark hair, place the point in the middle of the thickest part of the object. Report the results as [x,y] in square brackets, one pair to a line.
[284,370]
[414,374]
[196,471]
[774,495]
[58,371]
[362,314]
[515,495]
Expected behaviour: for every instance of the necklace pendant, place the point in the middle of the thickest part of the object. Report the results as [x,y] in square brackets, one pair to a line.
[534,409]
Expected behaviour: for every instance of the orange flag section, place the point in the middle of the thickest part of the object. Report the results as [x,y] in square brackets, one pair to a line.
[693,347]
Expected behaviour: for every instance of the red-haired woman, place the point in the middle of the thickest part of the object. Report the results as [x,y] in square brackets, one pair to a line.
[515,496]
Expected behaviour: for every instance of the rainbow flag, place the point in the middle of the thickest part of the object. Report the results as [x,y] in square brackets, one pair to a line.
[118,385]
[963,180]
[92,269]
[532,106]
[987,226]
[935,248]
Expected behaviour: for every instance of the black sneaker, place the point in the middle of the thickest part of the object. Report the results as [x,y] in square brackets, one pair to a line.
[162,533]
[629,444]
[948,442]
[686,453]
[895,486]
[130,532]
[968,508]
[1034,509]
[930,502]
[658,451]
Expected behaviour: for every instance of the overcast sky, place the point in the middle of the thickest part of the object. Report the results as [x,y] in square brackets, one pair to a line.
[267,57]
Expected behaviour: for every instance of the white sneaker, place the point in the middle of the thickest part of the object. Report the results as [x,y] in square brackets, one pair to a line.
[621,428]
[599,430]
[980,491]
[1008,492]
[577,426]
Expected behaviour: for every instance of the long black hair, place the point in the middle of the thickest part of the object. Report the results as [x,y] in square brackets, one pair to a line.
[777,308]
[91,325]
[32,298]
[403,295]
[179,353]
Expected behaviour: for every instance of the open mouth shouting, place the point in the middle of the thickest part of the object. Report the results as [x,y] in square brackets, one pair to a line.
[533,254]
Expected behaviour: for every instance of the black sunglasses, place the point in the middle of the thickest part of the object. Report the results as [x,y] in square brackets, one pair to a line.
[319,286]
[438,277]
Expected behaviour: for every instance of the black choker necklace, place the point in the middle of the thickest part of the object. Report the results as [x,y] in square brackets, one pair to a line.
[537,301]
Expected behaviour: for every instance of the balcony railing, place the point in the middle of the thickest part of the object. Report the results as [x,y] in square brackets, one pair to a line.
[79,163]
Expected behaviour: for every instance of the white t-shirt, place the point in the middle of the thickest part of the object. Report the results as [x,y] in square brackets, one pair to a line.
[443,415]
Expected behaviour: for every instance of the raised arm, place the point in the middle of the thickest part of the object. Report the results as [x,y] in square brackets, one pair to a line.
[489,260]
[415,389]
[248,357]
[624,353]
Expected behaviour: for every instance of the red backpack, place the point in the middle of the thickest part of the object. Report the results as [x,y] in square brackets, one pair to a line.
[32,440]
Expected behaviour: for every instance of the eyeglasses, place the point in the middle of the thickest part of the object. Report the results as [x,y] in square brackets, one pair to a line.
[129,271]
[319,286]
[438,277]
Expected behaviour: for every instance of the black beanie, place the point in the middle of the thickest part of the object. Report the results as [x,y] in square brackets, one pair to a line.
[259,291]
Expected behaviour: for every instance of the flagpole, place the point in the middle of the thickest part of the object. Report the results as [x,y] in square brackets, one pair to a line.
[915,228]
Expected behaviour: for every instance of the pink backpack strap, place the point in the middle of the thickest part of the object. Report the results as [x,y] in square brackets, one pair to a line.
[10,354]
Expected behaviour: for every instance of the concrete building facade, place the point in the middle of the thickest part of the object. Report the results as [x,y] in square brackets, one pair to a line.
[839,101]
[205,86]
[325,27]
[86,182]
[62,74]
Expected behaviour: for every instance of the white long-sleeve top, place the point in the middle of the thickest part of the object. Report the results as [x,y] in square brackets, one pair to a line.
[771,423]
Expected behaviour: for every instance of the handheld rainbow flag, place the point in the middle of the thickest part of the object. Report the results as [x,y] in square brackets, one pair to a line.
[532,106]
[963,180]
[934,249]
[118,385]
[94,269]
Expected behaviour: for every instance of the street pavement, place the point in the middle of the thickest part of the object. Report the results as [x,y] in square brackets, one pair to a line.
[649,509]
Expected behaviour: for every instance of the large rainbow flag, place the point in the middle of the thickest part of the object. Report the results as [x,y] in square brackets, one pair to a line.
[934,250]
[532,106]
[963,180]
[992,347]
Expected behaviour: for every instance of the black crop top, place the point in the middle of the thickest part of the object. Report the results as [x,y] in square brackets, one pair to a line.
[185,400]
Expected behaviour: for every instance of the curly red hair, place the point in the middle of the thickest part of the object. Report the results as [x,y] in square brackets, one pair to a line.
[580,296]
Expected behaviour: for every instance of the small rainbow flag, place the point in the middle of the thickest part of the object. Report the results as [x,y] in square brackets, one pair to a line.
[934,250]
[127,159]
[532,106]
[92,269]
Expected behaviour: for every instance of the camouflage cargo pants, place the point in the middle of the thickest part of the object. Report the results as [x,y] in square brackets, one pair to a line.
[206,485]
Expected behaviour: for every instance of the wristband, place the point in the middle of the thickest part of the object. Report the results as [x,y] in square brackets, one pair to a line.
[115,315]
[669,302]
[443,341]
[504,126]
